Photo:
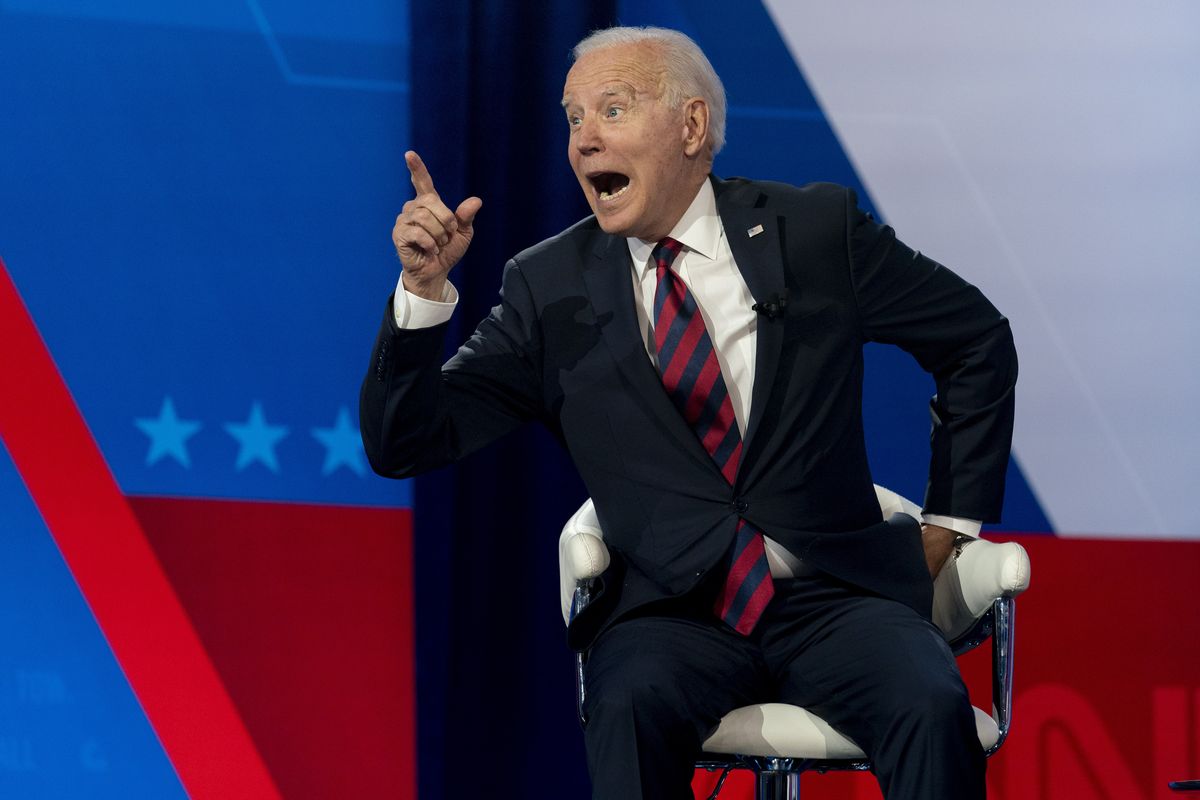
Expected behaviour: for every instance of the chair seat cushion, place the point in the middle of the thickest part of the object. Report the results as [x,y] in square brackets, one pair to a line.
[778,729]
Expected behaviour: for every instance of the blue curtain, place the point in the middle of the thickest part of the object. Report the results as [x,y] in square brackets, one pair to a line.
[494,676]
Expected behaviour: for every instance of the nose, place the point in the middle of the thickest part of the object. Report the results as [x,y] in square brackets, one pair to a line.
[588,138]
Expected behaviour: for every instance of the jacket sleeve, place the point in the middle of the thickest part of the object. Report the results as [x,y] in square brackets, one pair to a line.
[958,336]
[416,416]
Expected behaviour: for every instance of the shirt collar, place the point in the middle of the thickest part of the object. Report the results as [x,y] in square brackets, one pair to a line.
[699,229]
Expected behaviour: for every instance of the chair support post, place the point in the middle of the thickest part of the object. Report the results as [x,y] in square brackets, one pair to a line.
[583,596]
[774,778]
[1003,641]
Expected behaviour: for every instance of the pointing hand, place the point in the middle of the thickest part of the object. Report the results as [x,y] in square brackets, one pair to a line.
[429,237]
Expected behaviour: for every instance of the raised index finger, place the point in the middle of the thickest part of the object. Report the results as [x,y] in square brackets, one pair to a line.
[420,174]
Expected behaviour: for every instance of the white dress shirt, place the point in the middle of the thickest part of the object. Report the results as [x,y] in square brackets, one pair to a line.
[707,267]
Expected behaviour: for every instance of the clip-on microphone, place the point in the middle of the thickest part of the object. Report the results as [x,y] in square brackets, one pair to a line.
[773,306]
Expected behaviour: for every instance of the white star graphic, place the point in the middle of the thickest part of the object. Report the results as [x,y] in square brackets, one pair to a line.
[343,445]
[168,434]
[256,439]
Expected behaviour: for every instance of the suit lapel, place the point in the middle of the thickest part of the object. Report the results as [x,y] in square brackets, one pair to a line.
[610,288]
[760,260]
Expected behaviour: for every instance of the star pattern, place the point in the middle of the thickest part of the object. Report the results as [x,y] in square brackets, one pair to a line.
[343,445]
[168,434]
[256,440]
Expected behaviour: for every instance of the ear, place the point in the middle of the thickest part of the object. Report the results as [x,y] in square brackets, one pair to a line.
[695,126]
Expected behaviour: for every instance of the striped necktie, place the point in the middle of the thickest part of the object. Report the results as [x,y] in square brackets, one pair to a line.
[692,378]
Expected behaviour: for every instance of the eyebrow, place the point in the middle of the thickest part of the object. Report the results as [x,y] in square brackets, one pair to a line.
[610,91]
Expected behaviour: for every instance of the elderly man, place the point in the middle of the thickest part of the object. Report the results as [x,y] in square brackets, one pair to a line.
[696,345]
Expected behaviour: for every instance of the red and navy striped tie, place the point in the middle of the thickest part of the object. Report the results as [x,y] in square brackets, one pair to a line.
[692,377]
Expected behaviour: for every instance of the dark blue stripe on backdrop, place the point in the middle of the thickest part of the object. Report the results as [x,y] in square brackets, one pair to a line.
[496,715]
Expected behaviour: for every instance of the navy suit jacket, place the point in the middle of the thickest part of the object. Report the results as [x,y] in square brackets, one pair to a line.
[563,348]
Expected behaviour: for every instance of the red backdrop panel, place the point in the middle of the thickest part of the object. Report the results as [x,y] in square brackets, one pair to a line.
[307,613]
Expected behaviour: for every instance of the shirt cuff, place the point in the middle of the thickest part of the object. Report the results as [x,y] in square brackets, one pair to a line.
[412,311]
[967,527]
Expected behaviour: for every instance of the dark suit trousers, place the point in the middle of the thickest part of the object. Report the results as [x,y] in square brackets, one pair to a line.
[658,683]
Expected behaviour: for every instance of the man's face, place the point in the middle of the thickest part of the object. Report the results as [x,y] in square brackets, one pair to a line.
[635,158]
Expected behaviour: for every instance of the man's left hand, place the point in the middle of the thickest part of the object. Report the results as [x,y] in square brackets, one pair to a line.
[938,543]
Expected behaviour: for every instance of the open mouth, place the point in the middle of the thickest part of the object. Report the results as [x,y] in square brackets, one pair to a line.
[609,185]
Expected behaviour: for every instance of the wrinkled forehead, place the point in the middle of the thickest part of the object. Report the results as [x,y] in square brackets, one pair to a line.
[634,70]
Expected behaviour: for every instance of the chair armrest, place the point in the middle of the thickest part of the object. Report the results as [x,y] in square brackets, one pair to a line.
[979,573]
[976,575]
[581,554]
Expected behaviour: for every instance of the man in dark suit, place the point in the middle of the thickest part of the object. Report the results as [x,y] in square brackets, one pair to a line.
[696,345]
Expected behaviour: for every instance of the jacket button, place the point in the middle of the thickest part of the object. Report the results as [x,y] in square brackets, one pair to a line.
[740,506]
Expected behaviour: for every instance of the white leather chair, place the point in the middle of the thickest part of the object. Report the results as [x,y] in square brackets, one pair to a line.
[973,600]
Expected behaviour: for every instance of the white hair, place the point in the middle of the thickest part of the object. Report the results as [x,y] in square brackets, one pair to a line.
[687,71]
